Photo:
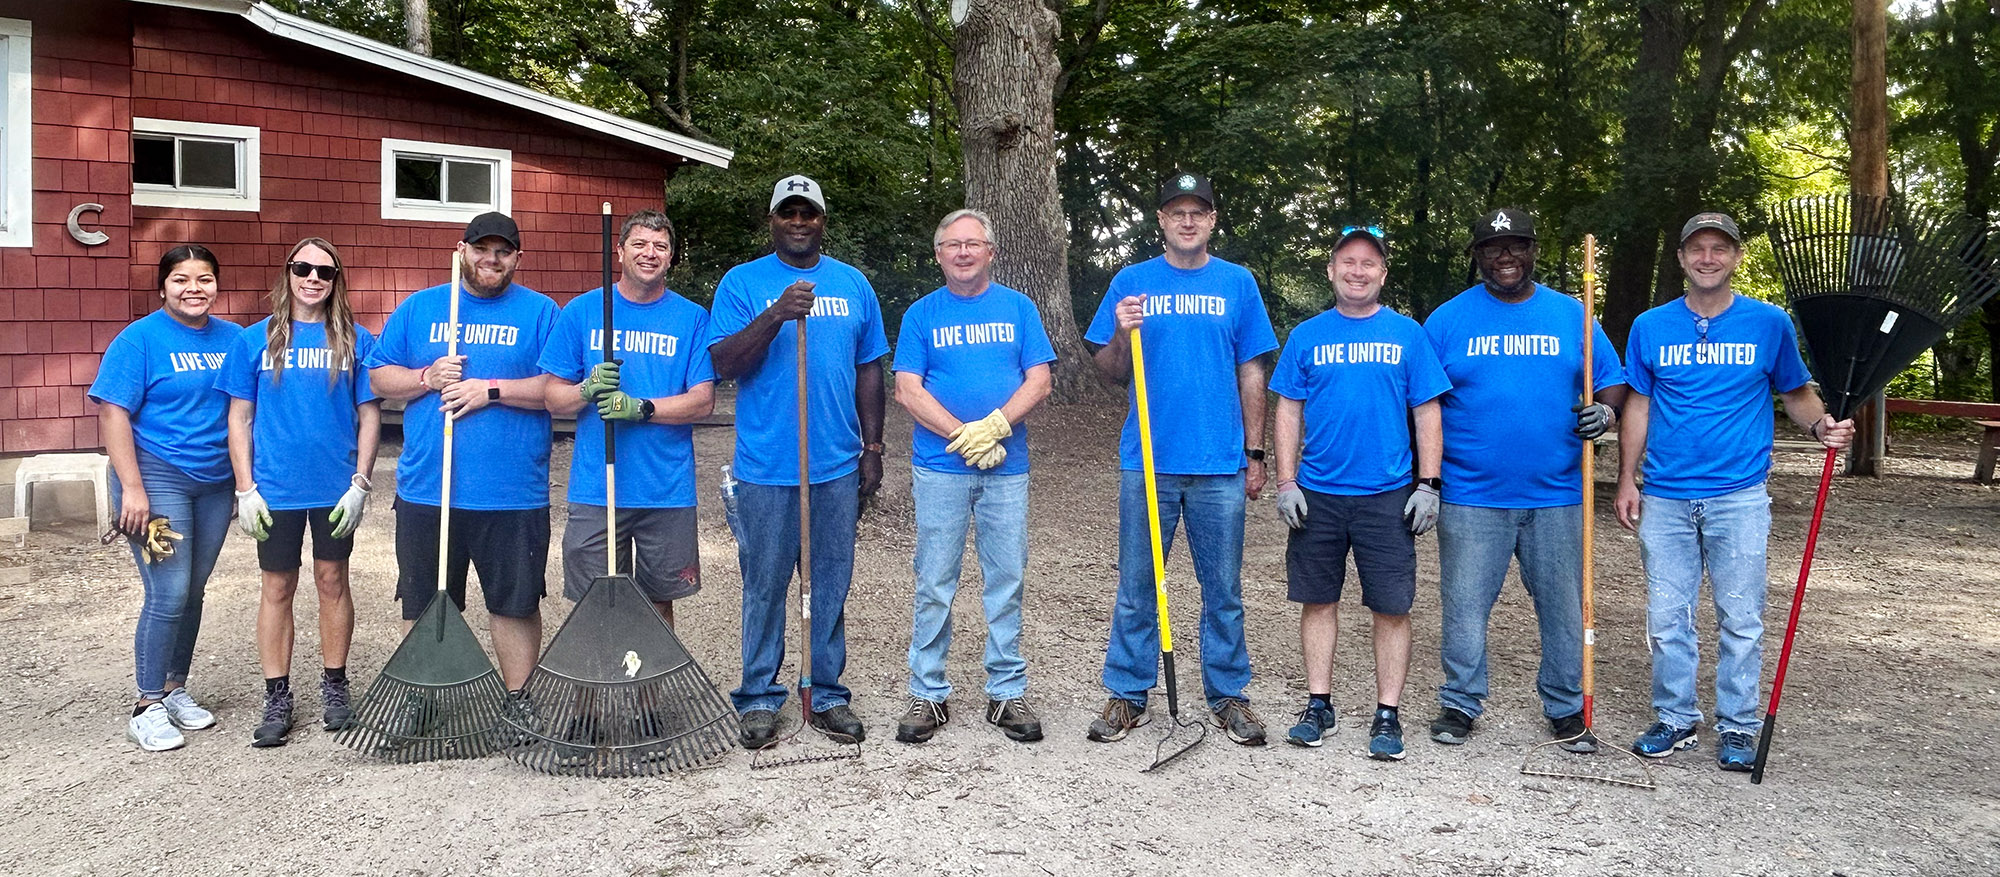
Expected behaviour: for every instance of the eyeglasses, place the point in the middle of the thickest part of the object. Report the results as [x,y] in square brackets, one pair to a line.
[325,272]
[969,246]
[1701,326]
[1517,249]
[1189,215]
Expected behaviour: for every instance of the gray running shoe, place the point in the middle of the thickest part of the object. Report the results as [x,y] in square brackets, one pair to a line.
[336,715]
[185,713]
[153,731]
[277,721]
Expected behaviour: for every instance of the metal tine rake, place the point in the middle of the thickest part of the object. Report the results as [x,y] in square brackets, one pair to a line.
[1174,744]
[1872,283]
[616,694]
[438,696]
[1540,760]
[784,752]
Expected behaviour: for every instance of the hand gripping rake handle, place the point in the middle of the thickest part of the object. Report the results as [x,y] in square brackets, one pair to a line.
[444,469]
[1792,623]
[1589,464]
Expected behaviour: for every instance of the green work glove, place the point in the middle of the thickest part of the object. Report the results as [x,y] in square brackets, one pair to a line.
[253,516]
[603,378]
[975,438]
[617,405]
[346,514]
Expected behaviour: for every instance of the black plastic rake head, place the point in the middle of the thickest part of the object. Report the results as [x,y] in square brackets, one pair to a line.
[617,694]
[1874,281]
[437,697]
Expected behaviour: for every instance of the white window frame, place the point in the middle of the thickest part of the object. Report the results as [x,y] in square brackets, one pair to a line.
[249,148]
[17,140]
[426,211]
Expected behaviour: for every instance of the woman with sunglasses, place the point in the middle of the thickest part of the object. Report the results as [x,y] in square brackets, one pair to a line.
[303,427]
[163,426]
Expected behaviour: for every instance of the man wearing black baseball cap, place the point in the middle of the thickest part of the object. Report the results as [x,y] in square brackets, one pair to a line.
[493,388]
[1513,484]
[1702,369]
[1207,342]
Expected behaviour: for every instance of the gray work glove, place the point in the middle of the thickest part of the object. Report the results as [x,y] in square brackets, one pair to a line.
[253,516]
[1593,420]
[1421,512]
[346,514]
[1292,507]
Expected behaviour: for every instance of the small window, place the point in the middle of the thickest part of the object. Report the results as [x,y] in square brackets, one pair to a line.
[439,182]
[194,165]
[16,144]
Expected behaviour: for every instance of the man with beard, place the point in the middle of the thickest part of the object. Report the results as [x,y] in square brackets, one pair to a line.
[1514,422]
[1703,368]
[1207,343]
[500,507]
[659,383]
[755,323]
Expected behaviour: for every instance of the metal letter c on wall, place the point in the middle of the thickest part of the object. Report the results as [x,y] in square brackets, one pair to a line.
[86,238]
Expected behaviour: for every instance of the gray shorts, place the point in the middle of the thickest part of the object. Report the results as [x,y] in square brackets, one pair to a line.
[669,552]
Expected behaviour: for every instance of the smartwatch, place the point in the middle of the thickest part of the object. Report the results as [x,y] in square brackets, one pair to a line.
[1436,484]
[1254,454]
[646,409]
[492,389]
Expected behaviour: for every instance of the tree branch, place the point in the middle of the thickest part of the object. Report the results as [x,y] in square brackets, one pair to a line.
[1080,52]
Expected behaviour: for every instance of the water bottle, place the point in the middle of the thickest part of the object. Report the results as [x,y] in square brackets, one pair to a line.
[729,505]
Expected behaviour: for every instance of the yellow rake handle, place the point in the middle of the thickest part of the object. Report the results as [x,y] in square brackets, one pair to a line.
[1152,491]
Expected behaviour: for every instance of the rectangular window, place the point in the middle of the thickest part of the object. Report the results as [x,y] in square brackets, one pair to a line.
[194,165]
[16,135]
[440,182]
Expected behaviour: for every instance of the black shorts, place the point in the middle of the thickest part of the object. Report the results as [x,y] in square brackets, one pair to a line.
[279,552]
[1385,554]
[509,548]
[664,542]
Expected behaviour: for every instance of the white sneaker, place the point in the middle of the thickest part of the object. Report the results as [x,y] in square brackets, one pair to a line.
[154,730]
[185,713]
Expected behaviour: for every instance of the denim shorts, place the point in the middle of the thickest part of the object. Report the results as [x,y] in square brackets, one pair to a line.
[1385,554]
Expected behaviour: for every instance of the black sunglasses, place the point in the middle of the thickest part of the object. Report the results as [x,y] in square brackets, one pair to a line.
[325,272]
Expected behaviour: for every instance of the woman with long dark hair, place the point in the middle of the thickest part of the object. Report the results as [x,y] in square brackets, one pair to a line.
[163,425]
[303,427]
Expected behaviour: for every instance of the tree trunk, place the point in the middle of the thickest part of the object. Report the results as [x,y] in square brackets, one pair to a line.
[417,26]
[1003,82]
[1868,167]
[1629,275]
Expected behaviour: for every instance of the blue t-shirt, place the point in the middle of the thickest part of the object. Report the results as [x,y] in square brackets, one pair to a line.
[1358,379]
[664,345]
[1199,326]
[305,435]
[501,453]
[972,353]
[1516,370]
[164,374]
[845,331]
[1708,424]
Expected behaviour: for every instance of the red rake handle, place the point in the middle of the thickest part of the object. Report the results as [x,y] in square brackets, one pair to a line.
[1792,623]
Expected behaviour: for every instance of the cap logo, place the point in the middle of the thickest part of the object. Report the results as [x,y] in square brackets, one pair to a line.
[1501,222]
[1186,182]
[798,186]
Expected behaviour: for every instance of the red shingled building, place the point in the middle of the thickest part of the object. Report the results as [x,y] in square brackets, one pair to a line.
[130,126]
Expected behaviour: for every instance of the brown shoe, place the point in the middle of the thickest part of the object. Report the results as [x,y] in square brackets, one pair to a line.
[1119,718]
[1014,719]
[923,720]
[1236,719]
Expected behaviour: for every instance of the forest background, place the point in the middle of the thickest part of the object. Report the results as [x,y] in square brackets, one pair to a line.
[1618,119]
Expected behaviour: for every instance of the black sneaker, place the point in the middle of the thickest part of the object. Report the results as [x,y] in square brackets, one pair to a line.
[335,714]
[1452,726]
[1014,719]
[838,723]
[1571,733]
[520,723]
[1236,719]
[757,729]
[277,721]
[1118,719]
[923,720]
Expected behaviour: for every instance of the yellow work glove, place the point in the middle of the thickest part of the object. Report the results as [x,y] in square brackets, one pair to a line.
[991,458]
[158,542]
[973,439]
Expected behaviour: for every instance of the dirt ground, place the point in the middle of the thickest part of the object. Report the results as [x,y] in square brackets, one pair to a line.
[1880,765]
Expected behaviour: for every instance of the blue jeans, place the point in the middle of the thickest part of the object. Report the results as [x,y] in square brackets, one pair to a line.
[1213,508]
[768,552]
[947,504]
[1475,546]
[170,616]
[1726,535]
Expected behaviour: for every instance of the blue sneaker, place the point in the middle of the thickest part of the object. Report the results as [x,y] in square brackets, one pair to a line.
[1736,751]
[1385,737]
[1315,723]
[1662,740]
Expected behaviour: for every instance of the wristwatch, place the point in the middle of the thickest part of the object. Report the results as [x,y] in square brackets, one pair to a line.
[1436,484]
[492,389]
[1254,454]
[646,409]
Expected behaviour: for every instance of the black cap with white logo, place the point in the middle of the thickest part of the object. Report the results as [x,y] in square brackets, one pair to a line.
[1505,222]
[1187,184]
